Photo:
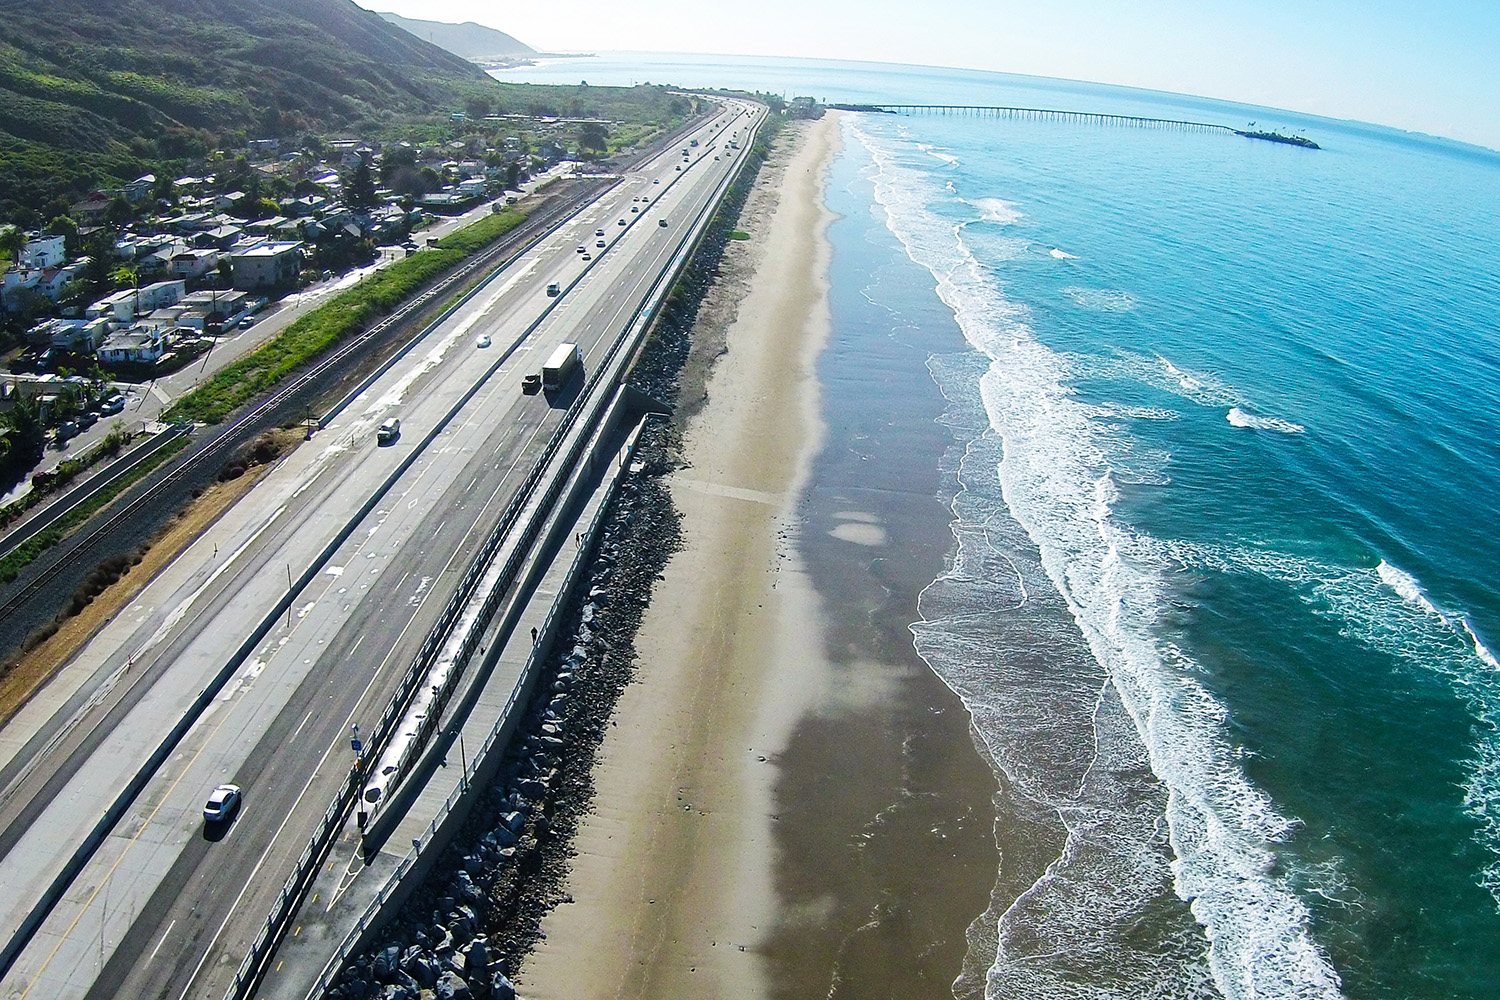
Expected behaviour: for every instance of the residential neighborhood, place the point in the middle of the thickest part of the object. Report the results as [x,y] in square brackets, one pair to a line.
[138,281]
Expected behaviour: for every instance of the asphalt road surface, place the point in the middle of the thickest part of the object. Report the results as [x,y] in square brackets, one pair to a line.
[166,906]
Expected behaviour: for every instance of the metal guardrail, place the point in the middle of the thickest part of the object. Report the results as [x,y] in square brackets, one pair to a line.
[252,967]
[539,652]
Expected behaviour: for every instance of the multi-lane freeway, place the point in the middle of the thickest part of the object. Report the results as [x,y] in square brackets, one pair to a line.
[368,542]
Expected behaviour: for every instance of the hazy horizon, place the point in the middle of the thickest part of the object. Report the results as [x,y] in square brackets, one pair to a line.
[1391,62]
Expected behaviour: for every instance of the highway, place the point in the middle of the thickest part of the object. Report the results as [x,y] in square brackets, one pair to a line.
[369,541]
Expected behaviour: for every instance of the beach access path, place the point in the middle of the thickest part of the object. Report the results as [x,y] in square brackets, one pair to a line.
[672,882]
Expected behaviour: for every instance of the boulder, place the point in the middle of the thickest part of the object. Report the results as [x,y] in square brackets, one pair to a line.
[387,963]
[477,957]
[451,986]
[501,988]
[421,966]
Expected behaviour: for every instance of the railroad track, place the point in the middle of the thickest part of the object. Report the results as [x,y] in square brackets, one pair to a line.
[230,437]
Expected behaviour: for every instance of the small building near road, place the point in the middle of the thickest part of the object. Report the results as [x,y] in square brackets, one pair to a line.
[136,345]
[266,265]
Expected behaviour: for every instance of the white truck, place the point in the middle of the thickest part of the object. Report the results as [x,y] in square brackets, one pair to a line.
[560,366]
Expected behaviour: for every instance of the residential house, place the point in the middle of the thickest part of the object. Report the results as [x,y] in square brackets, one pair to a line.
[93,210]
[44,252]
[81,336]
[135,345]
[202,309]
[265,147]
[219,238]
[230,201]
[137,190]
[267,265]
[189,264]
[125,305]
[266,227]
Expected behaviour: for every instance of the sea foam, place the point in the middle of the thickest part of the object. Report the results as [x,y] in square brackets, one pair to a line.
[1239,418]
[1057,482]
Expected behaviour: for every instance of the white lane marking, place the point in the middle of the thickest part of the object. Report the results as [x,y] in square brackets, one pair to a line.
[162,941]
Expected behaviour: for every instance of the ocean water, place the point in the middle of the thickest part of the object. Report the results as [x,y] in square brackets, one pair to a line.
[1224,466]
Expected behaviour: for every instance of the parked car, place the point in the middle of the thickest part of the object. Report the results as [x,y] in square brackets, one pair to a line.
[222,803]
[87,419]
[114,404]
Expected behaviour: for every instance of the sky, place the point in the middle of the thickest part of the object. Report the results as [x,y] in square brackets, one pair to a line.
[1431,66]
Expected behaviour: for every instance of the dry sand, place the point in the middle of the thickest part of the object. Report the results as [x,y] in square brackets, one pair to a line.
[672,886]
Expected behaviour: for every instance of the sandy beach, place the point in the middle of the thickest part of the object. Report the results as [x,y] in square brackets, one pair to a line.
[672,884]
[788,802]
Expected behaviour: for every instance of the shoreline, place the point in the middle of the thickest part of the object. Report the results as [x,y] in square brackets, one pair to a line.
[673,881]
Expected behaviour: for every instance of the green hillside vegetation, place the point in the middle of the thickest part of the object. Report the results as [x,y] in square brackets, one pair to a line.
[469,40]
[94,93]
[93,90]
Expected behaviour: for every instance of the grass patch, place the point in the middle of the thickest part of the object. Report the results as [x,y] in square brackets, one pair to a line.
[739,234]
[26,553]
[349,313]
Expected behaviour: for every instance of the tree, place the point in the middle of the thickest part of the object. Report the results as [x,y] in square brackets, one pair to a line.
[594,136]
[359,188]
[67,228]
[12,242]
[128,274]
[120,211]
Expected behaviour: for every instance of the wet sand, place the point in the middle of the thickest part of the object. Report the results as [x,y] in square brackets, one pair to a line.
[787,802]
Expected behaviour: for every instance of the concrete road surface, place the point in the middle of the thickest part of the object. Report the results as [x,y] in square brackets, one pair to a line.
[166,906]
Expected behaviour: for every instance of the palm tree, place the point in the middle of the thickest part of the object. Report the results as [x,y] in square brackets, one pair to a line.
[12,243]
[128,274]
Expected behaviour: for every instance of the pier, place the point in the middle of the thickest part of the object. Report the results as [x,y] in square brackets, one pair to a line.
[1069,117]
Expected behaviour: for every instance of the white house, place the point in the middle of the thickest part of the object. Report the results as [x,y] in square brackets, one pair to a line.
[136,345]
[44,252]
[128,303]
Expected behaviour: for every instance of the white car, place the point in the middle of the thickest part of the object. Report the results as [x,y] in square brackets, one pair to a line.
[483,341]
[222,803]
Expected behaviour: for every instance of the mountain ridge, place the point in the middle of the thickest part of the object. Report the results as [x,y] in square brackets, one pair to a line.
[468,40]
[94,92]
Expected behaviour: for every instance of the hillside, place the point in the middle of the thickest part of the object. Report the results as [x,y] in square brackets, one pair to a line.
[468,40]
[99,91]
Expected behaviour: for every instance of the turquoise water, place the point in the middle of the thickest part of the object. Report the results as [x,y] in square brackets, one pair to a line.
[1224,464]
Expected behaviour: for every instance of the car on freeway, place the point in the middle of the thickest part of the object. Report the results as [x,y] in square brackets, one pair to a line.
[598,232]
[588,256]
[580,249]
[662,223]
[531,383]
[635,208]
[601,243]
[483,341]
[622,222]
[389,431]
[656,180]
[222,803]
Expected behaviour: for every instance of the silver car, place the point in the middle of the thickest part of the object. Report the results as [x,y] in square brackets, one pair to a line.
[222,803]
